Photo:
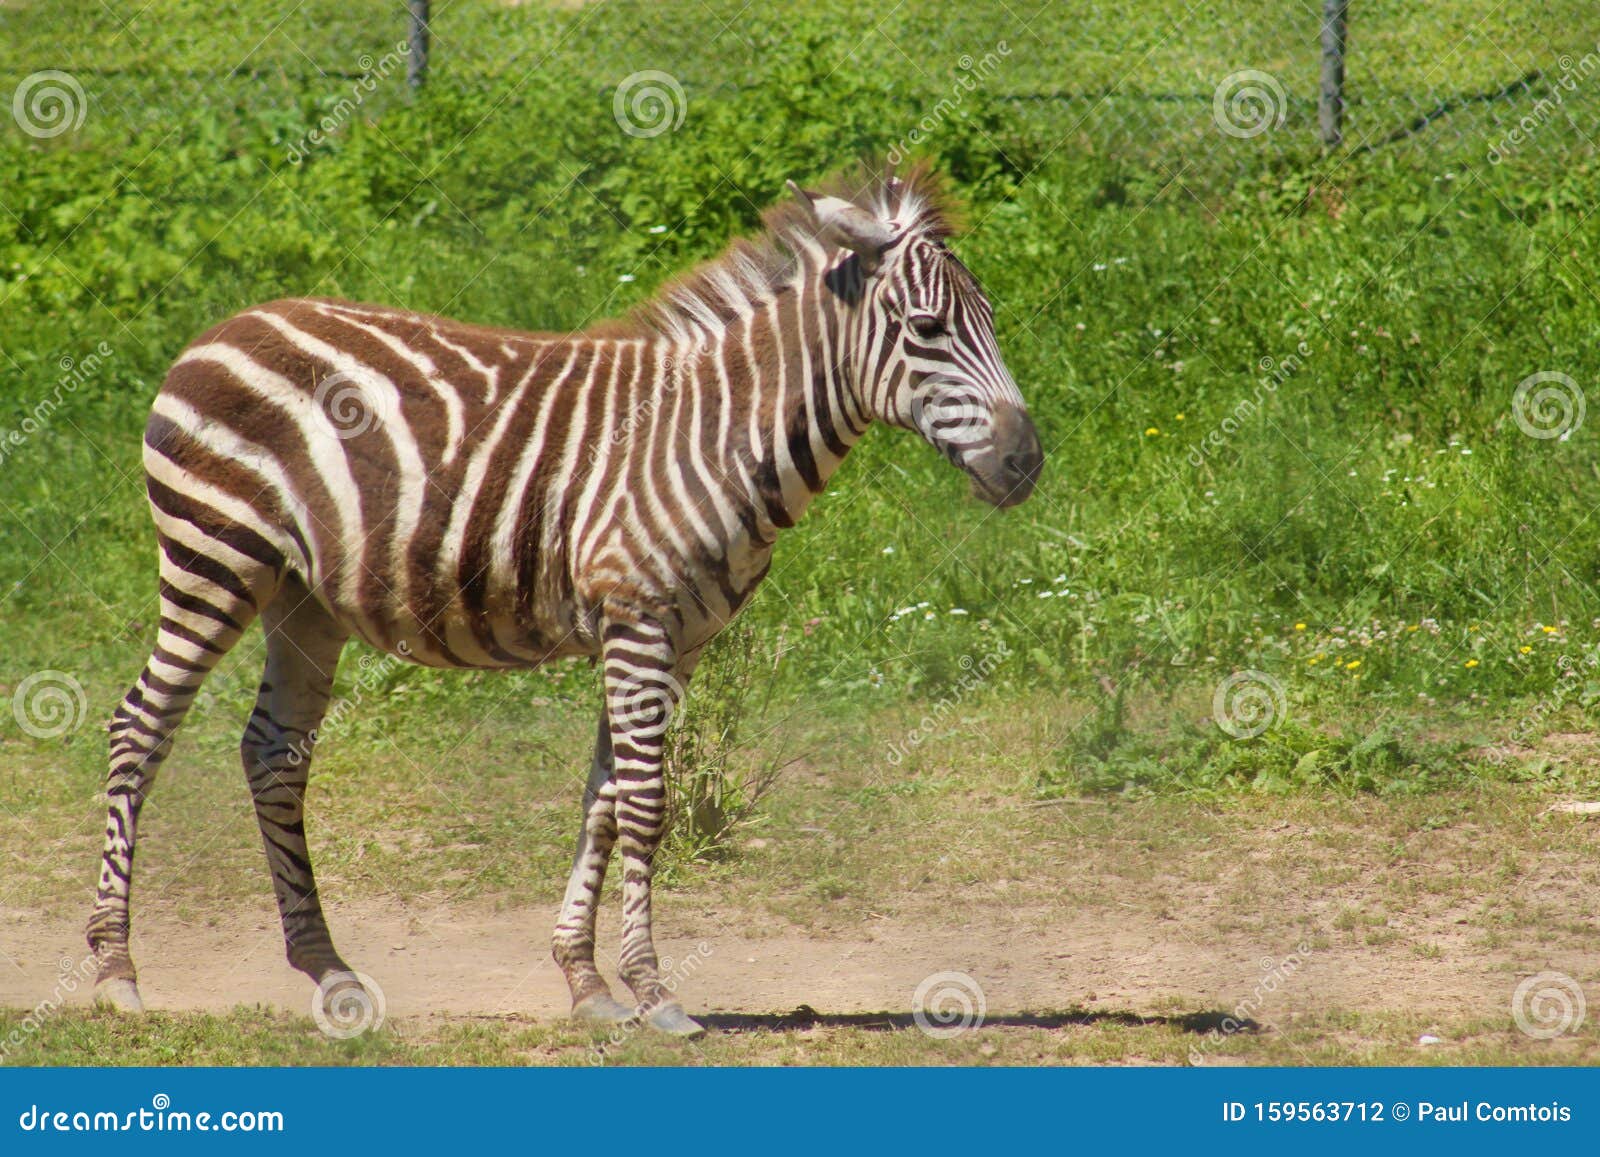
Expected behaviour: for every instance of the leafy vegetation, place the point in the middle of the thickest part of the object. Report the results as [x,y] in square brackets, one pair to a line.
[1276,386]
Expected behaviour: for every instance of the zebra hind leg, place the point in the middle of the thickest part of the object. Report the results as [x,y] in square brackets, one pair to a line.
[303,646]
[204,611]
[574,936]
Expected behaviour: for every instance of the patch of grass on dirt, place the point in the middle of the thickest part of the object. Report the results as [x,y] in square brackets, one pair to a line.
[256,1037]
[1190,743]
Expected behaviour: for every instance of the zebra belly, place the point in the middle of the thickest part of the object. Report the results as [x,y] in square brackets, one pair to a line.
[459,639]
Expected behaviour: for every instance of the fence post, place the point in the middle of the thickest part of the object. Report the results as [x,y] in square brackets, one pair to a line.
[1330,103]
[417,61]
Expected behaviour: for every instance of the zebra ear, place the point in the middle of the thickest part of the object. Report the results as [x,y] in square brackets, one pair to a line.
[838,222]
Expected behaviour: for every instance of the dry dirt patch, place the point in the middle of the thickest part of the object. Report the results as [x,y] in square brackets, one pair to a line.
[479,961]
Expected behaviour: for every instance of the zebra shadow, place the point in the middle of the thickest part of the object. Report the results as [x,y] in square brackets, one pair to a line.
[806,1017]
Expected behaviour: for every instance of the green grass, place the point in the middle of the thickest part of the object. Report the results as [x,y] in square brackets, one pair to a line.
[1383,481]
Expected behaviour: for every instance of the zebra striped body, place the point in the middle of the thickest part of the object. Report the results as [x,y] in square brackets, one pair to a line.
[483,498]
[487,491]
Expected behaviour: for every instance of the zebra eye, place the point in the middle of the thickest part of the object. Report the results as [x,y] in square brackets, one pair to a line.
[925,325]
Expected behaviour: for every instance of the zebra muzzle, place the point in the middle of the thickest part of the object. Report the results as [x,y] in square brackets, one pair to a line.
[1006,472]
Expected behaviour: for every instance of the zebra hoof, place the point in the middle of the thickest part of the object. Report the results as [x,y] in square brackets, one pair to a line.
[601,1008]
[118,994]
[671,1020]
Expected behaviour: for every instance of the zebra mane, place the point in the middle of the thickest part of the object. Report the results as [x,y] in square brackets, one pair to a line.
[752,270]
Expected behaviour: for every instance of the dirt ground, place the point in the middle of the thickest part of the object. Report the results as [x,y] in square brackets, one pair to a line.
[1287,909]
[479,961]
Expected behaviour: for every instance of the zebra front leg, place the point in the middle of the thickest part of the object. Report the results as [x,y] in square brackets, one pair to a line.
[574,937]
[643,687]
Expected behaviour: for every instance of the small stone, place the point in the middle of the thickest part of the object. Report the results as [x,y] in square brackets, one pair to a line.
[1576,808]
[1429,1040]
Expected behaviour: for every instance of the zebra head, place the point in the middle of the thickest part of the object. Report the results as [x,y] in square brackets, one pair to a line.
[926,354]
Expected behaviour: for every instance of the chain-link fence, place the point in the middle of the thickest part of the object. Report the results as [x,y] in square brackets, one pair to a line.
[1191,84]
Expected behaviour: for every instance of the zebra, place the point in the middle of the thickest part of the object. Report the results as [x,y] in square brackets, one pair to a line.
[472,497]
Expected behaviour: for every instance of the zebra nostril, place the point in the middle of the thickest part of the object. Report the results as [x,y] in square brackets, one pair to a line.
[1024,465]
[1020,454]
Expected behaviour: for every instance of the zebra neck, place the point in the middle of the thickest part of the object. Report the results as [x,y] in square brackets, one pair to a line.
[800,408]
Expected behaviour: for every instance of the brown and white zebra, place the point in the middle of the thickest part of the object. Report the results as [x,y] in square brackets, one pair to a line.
[474,497]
